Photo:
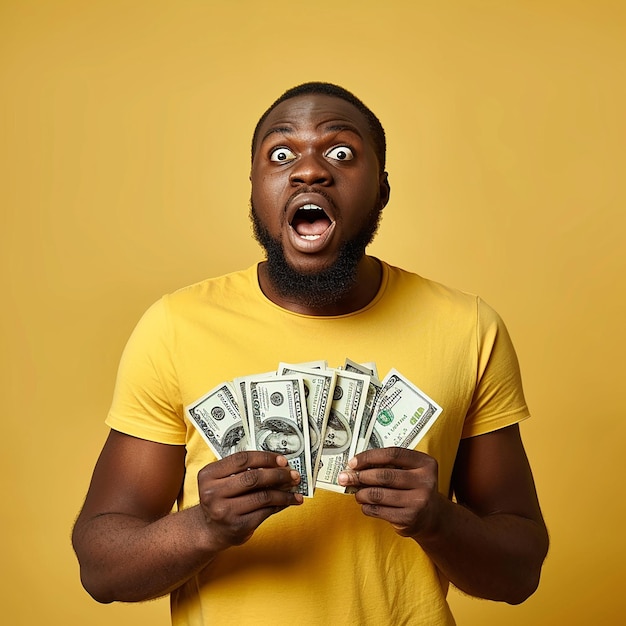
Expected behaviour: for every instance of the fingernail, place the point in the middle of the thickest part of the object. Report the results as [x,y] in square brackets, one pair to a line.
[295,475]
[342,478]
[352,463]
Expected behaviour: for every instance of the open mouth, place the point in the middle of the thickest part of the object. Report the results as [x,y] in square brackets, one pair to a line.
[311,222]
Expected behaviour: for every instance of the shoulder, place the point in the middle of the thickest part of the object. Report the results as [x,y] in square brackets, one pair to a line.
[160,321]
[241,283]
[449,311]
[235,290]
[430,295]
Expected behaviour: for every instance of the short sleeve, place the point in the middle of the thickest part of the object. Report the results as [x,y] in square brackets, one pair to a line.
[146,401]
[498,399]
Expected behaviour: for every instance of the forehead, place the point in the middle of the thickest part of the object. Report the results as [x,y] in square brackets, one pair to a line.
[315,112]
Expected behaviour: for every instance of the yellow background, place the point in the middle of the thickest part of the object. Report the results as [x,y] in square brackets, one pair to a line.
[124,132]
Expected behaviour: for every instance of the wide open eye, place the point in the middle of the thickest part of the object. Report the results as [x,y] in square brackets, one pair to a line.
[282,155]
[340,153]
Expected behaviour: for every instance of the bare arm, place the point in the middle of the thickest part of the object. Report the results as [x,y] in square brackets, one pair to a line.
[131,547]
[490,544]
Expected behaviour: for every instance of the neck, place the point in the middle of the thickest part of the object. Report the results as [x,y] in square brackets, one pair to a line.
[368,279]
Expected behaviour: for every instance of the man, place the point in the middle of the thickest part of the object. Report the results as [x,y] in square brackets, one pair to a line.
[241,542]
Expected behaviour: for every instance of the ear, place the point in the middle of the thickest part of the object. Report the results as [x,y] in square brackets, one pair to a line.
[385,189]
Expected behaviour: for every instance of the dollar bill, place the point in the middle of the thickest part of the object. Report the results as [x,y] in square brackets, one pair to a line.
[279,423]
[372,366]
[404,413]
[362,368]
[239,388]
[217,418]
[369,366]
[373,391]
[342,428]
[318,388]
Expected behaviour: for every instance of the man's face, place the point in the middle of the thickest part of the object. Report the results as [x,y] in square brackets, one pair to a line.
[317,192]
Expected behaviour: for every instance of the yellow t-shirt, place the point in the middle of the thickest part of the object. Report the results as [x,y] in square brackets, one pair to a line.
[323,562]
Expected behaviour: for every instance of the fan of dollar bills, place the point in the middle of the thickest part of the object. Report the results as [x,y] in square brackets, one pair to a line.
[318,417]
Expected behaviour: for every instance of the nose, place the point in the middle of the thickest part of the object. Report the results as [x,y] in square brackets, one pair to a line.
[310,169]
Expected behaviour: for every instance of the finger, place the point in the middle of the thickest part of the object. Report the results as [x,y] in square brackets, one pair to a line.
[401,519]
[390,457]
[384,477]
[234,511]
[237,522]
[224,508]
[242,461]
[235,485]
[268,500]
[394,498]
[349,478]
[266,478]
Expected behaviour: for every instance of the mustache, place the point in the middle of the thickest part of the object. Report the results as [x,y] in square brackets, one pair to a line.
[309,189]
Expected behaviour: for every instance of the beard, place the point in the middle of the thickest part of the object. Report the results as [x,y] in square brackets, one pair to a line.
[327,286]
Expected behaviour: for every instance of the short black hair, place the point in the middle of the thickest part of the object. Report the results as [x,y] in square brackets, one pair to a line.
[329,89]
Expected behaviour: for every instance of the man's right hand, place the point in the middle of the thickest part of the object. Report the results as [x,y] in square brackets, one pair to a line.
[241,491]
[131,547]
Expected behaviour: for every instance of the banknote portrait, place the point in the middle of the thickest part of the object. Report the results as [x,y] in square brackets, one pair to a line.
[338,435]
[234,439]
[281,436]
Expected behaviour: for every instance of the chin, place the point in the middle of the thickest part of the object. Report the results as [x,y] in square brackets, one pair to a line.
[310,266]
[315,282]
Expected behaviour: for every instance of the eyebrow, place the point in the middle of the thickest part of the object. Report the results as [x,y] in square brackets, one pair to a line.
[339,127]
[289,130]
[281,130]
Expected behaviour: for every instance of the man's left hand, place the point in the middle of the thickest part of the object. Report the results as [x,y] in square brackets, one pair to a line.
[396,485]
